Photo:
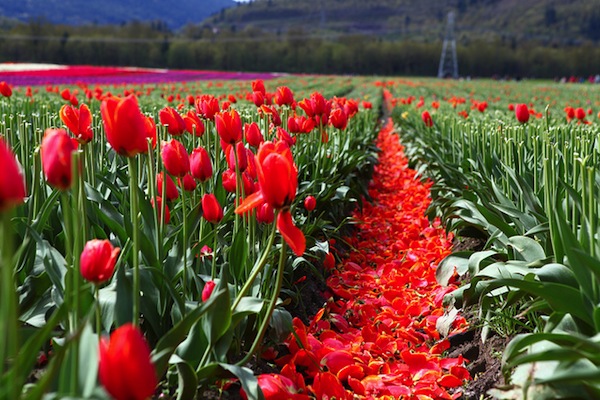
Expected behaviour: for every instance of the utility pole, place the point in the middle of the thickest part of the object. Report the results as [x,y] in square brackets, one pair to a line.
[448,60]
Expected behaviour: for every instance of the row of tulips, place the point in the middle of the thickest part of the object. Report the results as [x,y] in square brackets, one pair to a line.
[527,182]
[162,222]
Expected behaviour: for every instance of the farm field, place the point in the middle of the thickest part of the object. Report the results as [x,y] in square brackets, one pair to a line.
[225,235]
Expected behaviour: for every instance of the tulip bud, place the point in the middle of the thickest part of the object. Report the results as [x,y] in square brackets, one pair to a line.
[211,209]
[310,203]
[522,113]
[56,150]
[12,183]
[125,369]
[175,158]
[98,260]
[209,287]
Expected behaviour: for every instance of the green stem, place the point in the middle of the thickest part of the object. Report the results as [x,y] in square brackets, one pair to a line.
[133,207]
[213,270]
[271,307]
[258,267]
[98,312]
[184,245]
[8,303]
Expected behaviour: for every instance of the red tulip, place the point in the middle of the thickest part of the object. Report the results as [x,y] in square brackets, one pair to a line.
[5,90]
[207,106]
[522,113]
[258,98]
[580,113]
[65,94]
[242,158]
[98,260]
[125,369]
[78,120]
[310,203]
[338,119]
[200,165]
[229,180]
[277,387]
[427,120]
[125,125]
[172,192]
[265,214]
[278,182]
[150,126]
[157,204]
[170,118]
[12,182]
[209,287]
[211,209]
[56,150]
[229,126]
[175,158]
[193,124]
[188,183]
[284,96]
[253,134]
[258,86]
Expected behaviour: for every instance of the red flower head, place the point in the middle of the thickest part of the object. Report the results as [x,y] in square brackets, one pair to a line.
[284,96]
[175,158]
[12,183]
[200,165]
[427,120]
[98,260]
[310,203]
[258,98]
[209,287]
[78,120]
[570,111]
[522,113]
[125,369]
[229,126]
[265,214]
[228,178]
[170,118]
[211,209]
[125,125]
[5,90]
[258,86]
[150,130]
[207,106]
[242,157]
[56,151]
[65,94]
[338,119]
[580,113]
[172,192]
[253,134]
[193,124]
[188,183]
[278,182]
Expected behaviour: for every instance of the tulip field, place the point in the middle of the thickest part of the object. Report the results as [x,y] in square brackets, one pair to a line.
[162,234]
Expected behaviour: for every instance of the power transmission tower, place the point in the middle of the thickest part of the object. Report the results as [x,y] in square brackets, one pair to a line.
[448,60]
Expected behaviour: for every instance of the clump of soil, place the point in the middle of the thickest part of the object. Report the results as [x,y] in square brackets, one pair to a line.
[484,362]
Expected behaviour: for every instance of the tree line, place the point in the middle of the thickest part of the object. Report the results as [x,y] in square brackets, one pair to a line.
[296,51]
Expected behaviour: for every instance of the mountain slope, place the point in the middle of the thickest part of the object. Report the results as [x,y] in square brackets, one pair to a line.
[77,12]
[547,20]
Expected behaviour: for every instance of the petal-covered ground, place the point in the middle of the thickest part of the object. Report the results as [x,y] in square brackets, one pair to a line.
[377,336]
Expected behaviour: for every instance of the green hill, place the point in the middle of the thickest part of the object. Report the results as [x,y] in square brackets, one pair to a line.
[549,21]
[82,12]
